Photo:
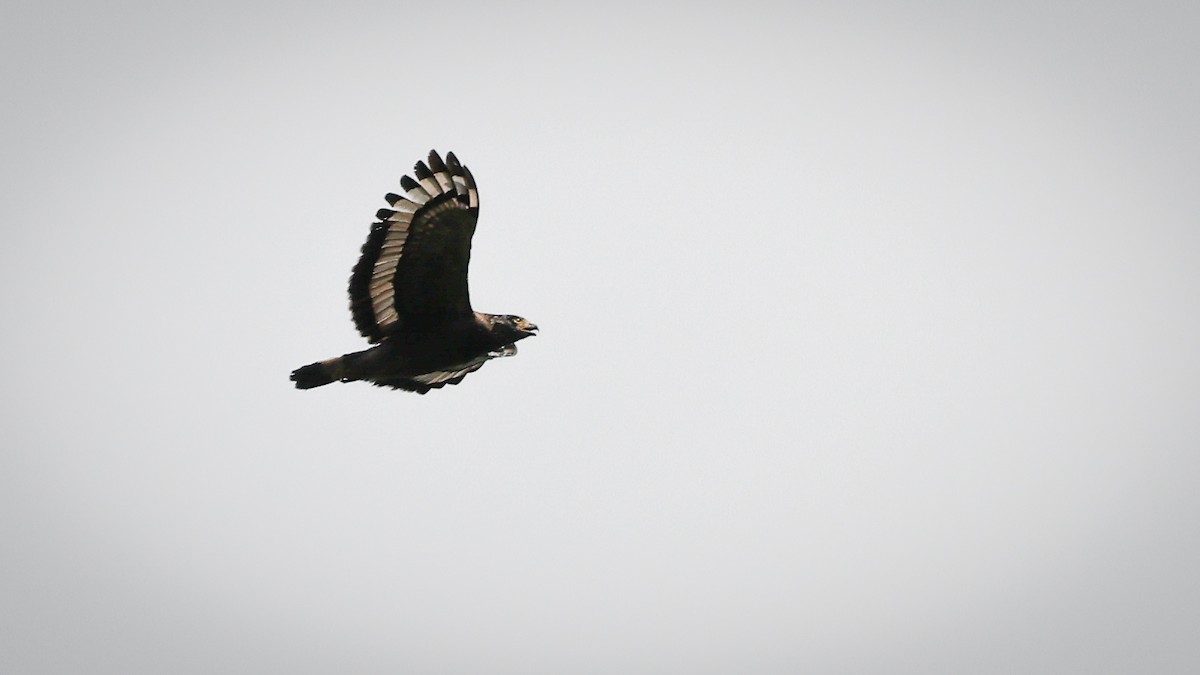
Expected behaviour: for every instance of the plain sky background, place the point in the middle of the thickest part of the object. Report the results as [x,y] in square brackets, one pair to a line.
[869,339]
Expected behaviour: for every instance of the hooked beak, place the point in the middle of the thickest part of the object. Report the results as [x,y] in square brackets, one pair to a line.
[531,328]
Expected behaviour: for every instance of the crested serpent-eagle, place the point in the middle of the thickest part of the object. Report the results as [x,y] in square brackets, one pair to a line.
[408,292]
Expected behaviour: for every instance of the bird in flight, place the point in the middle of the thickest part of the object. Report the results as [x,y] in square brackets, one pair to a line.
[408,292]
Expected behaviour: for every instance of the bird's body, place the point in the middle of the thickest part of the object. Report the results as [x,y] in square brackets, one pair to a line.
[408,292]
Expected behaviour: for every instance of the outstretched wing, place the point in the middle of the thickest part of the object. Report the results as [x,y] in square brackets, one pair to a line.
[413,268]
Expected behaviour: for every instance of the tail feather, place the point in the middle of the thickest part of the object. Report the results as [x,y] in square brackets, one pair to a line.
[317,374]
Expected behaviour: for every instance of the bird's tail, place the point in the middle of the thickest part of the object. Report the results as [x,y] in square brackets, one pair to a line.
[319,374]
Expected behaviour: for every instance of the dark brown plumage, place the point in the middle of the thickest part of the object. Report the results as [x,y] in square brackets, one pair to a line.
[409,296]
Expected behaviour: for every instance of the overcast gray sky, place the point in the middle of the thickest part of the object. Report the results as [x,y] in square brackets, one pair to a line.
[868,339]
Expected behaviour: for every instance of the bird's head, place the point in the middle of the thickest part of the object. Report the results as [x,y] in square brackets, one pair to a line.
[522,326]
[512,328]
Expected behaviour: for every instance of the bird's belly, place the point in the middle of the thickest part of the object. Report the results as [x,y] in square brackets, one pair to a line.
[417,356]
